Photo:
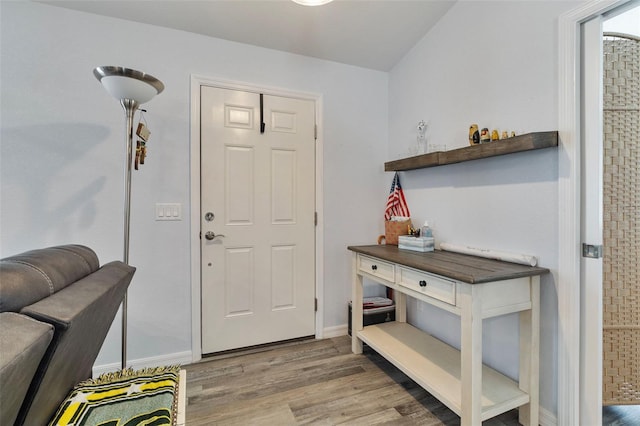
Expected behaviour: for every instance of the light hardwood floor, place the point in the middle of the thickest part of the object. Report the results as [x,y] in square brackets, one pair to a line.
[311,382]
[322,382]
[621,415]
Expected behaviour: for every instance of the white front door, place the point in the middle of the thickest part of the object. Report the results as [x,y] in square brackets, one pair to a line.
[257,218]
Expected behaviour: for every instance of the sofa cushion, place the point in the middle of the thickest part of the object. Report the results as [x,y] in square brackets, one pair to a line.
[23,342]
[29,277]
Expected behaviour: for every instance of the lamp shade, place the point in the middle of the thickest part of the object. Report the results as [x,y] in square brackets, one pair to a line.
[126,83]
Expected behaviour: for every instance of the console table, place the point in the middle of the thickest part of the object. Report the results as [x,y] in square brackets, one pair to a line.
[473,288]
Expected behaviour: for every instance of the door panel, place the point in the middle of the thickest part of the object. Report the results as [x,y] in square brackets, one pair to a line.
[239,185]
[258,270]
[283,261]
[283,186]
[238,282]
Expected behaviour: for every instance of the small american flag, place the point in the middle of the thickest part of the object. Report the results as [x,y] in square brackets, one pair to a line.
[396,204]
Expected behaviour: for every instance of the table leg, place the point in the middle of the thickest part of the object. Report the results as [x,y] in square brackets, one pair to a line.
[471,356]
[530,356]
[401,306]
[356,307]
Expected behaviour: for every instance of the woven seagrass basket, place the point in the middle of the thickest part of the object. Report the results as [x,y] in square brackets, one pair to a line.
[393,229]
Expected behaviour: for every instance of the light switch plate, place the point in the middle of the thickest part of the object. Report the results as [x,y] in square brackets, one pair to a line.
[168,211]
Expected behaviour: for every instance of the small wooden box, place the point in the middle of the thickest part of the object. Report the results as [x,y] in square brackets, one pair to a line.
[421,244]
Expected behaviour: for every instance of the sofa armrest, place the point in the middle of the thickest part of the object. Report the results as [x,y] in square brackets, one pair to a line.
[81,314]
[23,342]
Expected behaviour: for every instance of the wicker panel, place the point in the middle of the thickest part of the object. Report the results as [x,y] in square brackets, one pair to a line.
[621,227]
[621,82]
[621,365]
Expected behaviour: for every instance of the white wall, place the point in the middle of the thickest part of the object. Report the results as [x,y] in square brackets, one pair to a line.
[494,64]
[62,154]
[626,23]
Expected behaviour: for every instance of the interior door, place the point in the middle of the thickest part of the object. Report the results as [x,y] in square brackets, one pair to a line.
[258,218]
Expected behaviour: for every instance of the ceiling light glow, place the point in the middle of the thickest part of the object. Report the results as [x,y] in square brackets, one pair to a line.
[312,2]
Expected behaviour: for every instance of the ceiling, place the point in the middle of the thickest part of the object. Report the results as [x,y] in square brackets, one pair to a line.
[372,34]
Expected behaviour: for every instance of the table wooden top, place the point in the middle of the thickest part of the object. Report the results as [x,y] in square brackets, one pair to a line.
[461,267]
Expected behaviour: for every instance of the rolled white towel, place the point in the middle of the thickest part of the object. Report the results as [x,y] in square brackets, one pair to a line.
[523,259]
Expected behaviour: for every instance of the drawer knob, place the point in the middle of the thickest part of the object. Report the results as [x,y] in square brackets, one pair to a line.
[422,283]
[374,267]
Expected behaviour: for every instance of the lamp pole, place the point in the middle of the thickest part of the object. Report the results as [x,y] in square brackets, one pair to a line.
[132,88]
[130,106]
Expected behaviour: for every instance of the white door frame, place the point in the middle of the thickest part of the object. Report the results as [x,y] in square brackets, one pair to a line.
[569,223]
[591,223]
[196,82]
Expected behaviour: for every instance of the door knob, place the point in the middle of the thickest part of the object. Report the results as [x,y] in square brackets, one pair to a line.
[210,235]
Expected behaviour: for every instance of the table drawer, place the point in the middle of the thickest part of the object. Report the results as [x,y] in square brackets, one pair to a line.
[428,284]
[376,267]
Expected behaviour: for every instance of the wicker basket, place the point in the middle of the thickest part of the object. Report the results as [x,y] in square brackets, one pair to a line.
[621,208]
[393,229]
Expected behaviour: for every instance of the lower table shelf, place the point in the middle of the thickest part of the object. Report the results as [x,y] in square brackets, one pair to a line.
[435,366]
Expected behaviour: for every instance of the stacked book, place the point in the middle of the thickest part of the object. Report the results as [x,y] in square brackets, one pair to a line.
[421,244]
[376,302]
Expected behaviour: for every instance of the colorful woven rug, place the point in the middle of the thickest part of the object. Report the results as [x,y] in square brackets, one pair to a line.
[124,398]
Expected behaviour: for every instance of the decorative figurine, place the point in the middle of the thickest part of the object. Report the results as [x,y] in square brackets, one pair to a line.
[505,135]
[474,136]
[141,145]
[494,135]
[484,135]
[422,142]
[513,134]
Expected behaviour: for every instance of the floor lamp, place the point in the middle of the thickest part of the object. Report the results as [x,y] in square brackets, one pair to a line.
[132,88]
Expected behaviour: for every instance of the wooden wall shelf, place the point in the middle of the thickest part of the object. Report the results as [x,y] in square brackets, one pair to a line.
[526,142]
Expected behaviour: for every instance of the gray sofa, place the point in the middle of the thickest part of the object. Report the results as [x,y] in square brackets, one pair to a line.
[56,307]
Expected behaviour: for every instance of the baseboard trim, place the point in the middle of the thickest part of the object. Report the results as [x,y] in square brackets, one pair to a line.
[335,331]
[155,361]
